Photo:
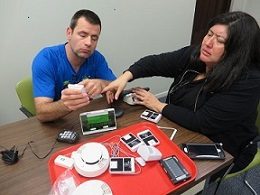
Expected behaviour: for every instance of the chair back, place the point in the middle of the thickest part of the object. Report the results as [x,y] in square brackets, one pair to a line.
[25,94]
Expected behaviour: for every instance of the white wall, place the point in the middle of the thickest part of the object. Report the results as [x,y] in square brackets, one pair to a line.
[130,30]
[250,6]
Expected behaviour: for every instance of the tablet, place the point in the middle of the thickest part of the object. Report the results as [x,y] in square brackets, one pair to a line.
[204,151]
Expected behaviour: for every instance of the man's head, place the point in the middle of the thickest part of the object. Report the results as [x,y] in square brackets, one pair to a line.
[83,33]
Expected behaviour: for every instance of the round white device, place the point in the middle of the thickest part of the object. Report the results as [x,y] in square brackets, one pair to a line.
[91,159]
[93,187]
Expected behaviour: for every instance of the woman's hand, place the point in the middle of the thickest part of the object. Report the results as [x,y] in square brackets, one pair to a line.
[118,85]
[94,87]
[148,100]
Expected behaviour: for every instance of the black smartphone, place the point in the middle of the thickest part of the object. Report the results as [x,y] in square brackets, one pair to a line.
[174,169]
[204,151]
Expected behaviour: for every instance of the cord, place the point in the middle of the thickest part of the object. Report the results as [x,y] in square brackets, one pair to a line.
[11,156]
[115,151]
[29,143]
[169,128]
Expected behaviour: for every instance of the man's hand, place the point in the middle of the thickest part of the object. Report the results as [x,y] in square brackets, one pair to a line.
[74,99]
[94,87]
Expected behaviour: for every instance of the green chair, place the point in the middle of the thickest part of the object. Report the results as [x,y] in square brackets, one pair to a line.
[25,95]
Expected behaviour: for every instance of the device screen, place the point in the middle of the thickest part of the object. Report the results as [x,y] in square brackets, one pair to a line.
[174,167]
[206,149]
[92,121]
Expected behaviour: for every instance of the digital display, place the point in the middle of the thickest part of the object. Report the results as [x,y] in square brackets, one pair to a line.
[174,167]
[98,121]
[196,150]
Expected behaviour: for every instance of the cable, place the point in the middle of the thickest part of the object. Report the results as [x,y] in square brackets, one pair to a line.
[11,156]
[29,143]
[169,128]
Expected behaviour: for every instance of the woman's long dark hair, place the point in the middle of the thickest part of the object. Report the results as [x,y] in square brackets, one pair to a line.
[242,49]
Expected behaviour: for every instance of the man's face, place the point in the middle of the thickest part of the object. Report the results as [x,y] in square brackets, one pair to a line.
[213,45]
[83,39]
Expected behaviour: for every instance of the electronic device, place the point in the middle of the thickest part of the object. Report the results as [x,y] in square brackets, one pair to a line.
[129,99]
[122,165]
[64,161]
[77,87]
[68,136]
[98,121]
[93,186]
[127,91]
[128,96]
[91,159]
[174,169]
[148,138]
[204,151]
[151,116]
[131,141]
[140,161]
[118,110]
[10,157]
[149,153]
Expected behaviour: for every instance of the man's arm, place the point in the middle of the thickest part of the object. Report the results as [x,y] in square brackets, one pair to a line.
[48,110]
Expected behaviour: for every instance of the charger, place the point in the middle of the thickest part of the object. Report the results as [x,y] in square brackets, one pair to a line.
[10,156]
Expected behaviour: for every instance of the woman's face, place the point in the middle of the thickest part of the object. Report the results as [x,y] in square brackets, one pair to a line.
[213,45]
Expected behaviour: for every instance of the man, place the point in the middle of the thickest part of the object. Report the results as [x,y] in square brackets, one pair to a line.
[74,62]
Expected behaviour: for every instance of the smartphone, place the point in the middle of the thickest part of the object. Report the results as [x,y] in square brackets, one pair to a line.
[204,151]
[174,169]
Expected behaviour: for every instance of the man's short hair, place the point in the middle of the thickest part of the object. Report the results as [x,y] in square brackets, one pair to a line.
[89,15]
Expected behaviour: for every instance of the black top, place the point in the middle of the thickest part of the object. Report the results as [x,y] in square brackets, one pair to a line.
[226,116]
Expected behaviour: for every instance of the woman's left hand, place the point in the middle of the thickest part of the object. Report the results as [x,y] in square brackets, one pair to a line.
[147,99]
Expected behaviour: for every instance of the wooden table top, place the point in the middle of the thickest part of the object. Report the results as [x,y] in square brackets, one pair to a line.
[30,175]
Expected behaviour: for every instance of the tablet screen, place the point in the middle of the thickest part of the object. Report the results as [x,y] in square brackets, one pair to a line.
[206,149]
[98,121]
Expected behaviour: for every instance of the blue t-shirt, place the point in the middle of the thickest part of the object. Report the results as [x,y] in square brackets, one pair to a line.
[51,70]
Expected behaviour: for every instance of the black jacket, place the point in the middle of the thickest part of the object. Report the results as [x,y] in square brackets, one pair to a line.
[226,116]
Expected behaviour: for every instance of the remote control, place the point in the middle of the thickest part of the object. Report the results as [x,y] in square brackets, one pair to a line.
[68,136]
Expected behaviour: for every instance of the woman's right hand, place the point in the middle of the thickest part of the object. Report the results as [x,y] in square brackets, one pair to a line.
[118,85]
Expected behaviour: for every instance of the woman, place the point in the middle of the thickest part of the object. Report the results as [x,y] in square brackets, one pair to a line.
[216,85]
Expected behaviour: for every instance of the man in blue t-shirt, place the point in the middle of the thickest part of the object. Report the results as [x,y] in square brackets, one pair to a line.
[75,62]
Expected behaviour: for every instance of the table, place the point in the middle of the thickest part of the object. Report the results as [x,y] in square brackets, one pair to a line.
[30,175]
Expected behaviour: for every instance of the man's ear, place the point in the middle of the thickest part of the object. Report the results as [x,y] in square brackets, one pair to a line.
[69,33]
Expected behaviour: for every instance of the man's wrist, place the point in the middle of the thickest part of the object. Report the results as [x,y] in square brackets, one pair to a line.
[65,108]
